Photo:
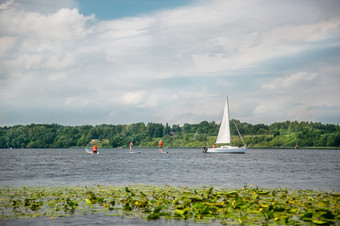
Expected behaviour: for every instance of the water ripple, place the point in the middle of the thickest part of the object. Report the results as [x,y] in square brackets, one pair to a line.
[302,169]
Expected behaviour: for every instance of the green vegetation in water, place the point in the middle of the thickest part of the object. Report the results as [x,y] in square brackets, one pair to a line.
[248,205]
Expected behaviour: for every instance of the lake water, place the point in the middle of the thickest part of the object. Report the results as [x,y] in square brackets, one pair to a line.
[297,169]
[305,169]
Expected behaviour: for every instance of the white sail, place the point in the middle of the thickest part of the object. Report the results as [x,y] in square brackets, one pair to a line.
[224,137]
[224,132]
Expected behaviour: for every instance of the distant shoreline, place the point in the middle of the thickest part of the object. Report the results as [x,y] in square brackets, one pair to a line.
[306,135]
[137,147]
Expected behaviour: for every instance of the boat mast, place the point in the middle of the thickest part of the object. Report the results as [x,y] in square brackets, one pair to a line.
[229,121]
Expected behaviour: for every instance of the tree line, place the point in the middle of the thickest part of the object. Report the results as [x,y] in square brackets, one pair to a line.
[278,134]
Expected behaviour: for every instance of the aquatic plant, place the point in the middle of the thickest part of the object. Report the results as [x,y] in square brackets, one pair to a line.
[248,205]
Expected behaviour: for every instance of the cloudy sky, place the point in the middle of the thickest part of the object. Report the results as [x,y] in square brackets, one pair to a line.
[125,61]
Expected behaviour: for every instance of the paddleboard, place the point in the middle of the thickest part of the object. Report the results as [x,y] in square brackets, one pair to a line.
[88,151]
[133,152]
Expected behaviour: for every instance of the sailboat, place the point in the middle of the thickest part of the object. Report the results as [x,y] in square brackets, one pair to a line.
[224,136]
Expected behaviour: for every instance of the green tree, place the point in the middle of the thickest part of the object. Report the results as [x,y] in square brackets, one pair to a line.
[166,130]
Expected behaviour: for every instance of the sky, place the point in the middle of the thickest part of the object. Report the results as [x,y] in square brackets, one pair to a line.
[126,61]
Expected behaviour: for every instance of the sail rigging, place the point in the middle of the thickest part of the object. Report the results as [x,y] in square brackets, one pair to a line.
[223,136]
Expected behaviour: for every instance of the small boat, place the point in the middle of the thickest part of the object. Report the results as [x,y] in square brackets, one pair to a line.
[224,136]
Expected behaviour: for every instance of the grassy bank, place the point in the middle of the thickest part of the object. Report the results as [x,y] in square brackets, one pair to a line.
[248,205]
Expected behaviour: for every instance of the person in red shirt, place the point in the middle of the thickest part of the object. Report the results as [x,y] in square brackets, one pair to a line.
[160,144]
[94,149]
[131,148]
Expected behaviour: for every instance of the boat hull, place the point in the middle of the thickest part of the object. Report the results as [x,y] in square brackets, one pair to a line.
[228,150]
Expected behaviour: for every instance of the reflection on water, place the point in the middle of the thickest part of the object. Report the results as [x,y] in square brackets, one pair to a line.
[100,219]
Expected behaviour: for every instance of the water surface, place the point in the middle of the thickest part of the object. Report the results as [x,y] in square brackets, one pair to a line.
[298,169]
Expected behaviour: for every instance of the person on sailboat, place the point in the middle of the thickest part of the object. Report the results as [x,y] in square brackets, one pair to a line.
[160,144]
[131,144]
[94,149]
[214,145]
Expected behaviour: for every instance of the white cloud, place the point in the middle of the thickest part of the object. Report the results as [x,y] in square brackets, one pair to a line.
[295,80]
[27,61]
[61,62]
[254,47]
[6,44]
[133,97]
[75,101]
[65,24]
[57,76]
[173,64]
[6,4]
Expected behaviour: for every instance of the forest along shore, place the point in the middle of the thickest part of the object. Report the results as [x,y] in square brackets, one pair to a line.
[277,135]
